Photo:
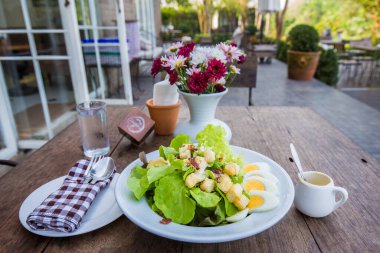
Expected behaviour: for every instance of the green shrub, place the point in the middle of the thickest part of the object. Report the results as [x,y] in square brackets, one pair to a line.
[303,38]
[220,37]
[251,29]
[199,36]
[282,51]
[328,68]
[183,18]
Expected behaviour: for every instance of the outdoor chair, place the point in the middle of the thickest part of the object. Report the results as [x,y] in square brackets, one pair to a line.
[248,76]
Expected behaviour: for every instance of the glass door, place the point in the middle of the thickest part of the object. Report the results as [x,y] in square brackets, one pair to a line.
[103,35]
[39,68]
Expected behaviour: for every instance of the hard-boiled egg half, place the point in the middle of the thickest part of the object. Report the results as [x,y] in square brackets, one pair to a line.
[262,173]
[238,216]
[255,167]
[258,183]
[261,201]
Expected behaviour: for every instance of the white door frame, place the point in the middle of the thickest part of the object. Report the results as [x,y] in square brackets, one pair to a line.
[74,51]
[75,60]
[6,121]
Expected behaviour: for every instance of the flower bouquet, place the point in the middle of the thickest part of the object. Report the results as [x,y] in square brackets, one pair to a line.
[202,75]
[200,70]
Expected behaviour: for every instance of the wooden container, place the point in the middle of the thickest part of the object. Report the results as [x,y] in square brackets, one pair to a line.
[165,117]
[136,126]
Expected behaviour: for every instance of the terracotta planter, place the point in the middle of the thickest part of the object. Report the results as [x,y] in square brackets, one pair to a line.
[165,117]
[302,65]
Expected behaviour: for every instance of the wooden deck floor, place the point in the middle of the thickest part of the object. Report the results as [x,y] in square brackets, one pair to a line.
[357,120]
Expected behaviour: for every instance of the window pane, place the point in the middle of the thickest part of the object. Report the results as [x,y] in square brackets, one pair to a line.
[105,12]
[50,44]
[14,45]
[25,99]
[59,92]
[44,14]
[11,15]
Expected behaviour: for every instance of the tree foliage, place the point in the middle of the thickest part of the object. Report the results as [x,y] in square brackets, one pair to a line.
[355,18]
[182,18]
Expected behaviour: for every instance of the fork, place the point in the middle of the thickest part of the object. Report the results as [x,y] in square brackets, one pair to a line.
[93,161]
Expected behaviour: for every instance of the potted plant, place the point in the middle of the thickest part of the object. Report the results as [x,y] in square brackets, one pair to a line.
[303,53]
[202,75]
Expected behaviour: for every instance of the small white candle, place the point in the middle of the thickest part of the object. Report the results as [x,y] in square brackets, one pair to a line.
[164,93]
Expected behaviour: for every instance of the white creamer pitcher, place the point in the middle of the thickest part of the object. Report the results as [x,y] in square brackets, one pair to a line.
[315,196]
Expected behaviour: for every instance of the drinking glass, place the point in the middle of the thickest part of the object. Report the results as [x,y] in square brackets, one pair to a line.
[92,117]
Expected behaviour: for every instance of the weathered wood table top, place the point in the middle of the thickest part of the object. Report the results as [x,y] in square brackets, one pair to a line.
[355,227]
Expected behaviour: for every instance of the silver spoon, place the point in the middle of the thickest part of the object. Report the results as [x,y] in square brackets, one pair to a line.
[297,160]
[101,170]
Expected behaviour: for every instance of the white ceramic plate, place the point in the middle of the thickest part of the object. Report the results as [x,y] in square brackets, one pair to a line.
[140,213]
[103,210]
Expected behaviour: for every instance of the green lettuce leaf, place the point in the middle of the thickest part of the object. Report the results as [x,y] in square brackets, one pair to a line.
[138,181]
[209,174]
[228,206]
[205,199]
[179,140]
[237,179]
[217,218]
[188,172]
[155,173]
[166,151]
[177,163]
[214,137]
[220,212]
[171,197]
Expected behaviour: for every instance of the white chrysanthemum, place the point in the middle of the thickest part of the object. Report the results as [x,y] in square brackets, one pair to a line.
[198,57]
[174,47]
[231,53]
[192,70]
[222,81]
[173,61]
[218,54]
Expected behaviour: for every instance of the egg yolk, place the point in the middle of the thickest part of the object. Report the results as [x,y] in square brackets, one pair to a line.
[255,201]
[254,185]
[250,167]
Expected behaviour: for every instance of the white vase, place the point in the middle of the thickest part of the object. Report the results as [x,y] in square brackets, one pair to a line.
[202,112]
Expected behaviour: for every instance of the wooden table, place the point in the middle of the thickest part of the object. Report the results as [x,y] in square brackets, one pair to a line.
[339,45]
[367,48]
[355,227]
[265,51]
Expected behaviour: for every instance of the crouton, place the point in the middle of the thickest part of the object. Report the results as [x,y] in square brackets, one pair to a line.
[192,179]
[224,183]
[184,152]
[202,164]
[242,202]
[207,185]
[209,155]
[234,192]
[231,169]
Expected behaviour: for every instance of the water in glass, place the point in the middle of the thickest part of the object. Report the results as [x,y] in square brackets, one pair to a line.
[92,117]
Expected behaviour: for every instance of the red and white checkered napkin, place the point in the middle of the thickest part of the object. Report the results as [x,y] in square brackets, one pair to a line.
[64,209]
